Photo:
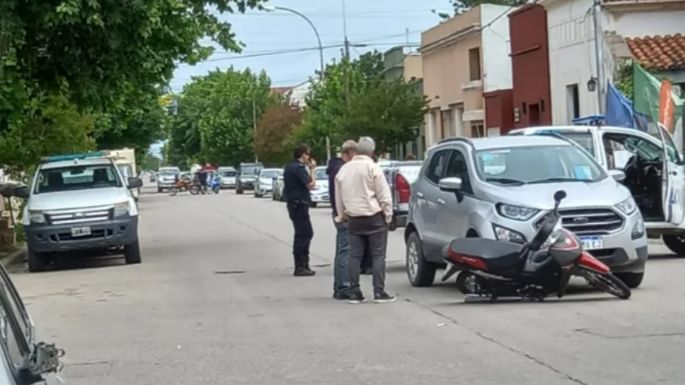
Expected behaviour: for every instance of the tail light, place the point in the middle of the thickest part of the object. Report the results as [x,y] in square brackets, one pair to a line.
[403,189]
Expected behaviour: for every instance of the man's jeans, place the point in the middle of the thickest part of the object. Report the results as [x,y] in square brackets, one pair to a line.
[341,270]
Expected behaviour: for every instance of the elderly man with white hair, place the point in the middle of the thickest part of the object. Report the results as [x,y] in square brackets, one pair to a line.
[363,200]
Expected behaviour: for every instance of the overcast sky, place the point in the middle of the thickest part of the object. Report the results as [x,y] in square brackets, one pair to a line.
[378,23]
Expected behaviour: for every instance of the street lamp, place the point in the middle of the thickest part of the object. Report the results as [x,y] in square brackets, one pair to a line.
[271,8]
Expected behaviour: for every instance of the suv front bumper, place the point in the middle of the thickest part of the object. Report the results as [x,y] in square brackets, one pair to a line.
[46,238]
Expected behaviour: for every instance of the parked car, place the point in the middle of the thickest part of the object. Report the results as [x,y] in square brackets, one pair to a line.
[264,183]
[247,176]
[168,176]
[400,176]
[277,193]
[505,185]
[655,172]
[80,202]
[320,193]
[228,177]
[25,359]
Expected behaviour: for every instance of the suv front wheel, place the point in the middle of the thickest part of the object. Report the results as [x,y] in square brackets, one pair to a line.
[419,271]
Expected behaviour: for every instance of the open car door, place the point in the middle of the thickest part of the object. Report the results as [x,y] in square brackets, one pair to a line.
[672,179]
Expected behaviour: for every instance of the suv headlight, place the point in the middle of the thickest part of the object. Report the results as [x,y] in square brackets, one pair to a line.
[121,209]
[638,230]
[628,206]
[505,234]
[37,217]
[518,213]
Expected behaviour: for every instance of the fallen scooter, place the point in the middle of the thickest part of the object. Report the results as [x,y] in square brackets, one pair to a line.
[490,269]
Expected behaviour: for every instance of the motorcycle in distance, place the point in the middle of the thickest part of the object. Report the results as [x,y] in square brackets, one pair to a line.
[489,269]
[184,184]
[215,183]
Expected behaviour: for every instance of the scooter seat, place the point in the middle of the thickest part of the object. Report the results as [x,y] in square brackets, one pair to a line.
[497,255]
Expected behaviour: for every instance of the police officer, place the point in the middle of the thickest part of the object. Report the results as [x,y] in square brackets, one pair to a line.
[298,181]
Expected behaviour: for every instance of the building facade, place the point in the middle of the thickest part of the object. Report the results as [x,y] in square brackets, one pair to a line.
[464,58]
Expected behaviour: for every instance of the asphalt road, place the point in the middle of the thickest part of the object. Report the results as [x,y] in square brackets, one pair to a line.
[214,302]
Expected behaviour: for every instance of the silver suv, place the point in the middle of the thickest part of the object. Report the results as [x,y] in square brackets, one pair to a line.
[502,188]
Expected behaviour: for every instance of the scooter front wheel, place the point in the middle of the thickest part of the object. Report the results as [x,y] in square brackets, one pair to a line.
[607,282]
[173,191]
[194,190]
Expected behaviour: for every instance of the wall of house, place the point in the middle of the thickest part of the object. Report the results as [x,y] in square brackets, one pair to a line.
[499,112]
[530,66]
[571,58]
[413,67]
[635,23]
[496,61]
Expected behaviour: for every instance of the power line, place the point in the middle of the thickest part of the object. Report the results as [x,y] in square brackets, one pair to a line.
[268,53]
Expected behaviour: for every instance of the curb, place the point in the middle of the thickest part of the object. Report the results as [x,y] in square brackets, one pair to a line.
[15,258]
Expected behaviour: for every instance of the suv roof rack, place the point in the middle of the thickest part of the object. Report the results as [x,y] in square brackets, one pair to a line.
[67,157]
[456,139]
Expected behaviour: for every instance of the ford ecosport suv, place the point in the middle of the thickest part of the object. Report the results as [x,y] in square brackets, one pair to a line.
[504,189]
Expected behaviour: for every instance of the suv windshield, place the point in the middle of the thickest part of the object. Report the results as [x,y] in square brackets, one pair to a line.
[228,174]
[269,173]
[168,171]
[583,139]
[77,178]
[523,165]
[251,170]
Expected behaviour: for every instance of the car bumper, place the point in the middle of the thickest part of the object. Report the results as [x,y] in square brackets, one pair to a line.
[323,198]
[227,185]
[165,184]
[57,238]
[618,249]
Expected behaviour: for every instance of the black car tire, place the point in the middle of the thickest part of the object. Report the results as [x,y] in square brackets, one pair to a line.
[239,190]
[675,243]
[37,261]
[132,253]
[425,271]
[632,280]
[159,190]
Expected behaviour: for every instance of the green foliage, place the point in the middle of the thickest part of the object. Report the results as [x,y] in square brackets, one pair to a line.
[624,79]
[355,100]
[277,125]
[103,60]
[56,127]
[216,117]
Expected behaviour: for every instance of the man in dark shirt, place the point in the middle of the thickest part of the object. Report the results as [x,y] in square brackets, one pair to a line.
[298,181]
[341,280]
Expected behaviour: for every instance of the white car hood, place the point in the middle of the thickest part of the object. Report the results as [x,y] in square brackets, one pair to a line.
[66,200]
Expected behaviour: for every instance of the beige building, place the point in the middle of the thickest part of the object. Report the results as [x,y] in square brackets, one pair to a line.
[462,58]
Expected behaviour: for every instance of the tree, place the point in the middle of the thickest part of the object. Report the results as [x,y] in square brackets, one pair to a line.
[104,58]
[275,128]
[216,117]
[355,100]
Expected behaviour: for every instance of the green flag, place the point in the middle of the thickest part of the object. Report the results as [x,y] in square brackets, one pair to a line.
[646,88]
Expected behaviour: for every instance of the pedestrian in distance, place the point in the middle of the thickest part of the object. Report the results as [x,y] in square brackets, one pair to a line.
[298,180]
[363,200]
[341,272]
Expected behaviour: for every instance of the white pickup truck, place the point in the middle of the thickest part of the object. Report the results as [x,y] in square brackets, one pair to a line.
[80,202]
[654,172]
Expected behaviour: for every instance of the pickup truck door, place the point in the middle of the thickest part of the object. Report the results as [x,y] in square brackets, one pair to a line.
[672,179]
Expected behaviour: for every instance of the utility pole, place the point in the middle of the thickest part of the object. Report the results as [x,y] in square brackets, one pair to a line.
[597,22]
[347,55]
[254,126]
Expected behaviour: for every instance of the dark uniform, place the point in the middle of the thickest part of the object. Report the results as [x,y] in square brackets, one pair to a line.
[296,191]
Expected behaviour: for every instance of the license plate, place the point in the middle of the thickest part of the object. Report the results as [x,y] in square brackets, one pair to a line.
[80,231]
[592,243]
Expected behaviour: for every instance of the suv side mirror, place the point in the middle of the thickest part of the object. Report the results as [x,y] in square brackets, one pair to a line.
[618,175]
[450,184]
[135,183]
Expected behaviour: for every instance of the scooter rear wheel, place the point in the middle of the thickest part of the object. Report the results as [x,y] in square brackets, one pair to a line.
[607,282]
[173,191]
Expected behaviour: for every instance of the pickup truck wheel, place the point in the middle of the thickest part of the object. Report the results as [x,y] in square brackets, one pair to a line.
[37,261]
[632,280]
[132,253]
[159,190]
[675,243]
[419,271]
[239,191]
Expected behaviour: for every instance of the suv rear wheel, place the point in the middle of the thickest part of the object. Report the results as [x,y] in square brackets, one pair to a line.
[419,271]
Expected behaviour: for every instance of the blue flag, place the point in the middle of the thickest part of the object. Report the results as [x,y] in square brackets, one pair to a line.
[620,110]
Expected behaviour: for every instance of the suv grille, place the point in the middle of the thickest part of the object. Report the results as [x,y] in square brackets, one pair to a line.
[589,221]
[76,217]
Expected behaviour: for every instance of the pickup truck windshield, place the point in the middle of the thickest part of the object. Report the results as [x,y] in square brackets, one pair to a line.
[169,171]
[249,170]
[76,178]
[228,174]
[522,165]
[269,174]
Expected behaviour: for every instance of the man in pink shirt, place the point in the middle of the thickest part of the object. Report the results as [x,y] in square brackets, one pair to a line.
[363,200]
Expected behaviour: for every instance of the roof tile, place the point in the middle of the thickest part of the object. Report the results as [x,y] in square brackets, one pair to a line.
[660,53]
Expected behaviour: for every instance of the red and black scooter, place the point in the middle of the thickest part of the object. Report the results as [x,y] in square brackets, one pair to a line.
[492,269]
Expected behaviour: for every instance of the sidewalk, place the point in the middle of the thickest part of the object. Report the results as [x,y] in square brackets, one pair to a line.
[10,255]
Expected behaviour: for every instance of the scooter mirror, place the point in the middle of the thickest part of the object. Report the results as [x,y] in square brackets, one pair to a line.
[559,195]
